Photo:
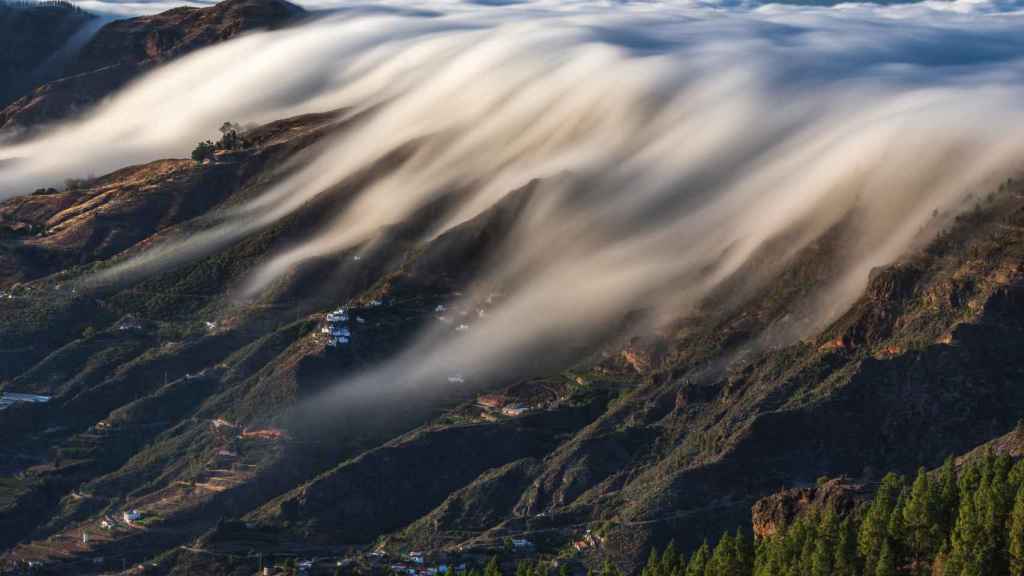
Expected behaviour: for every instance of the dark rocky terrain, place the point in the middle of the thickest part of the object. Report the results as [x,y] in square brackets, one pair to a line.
[117,53]
[32,37]
[170,396]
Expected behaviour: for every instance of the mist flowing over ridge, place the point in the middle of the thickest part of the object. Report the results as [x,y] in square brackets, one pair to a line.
[674,142]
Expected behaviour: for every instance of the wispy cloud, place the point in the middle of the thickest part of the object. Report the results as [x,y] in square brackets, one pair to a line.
[685,137]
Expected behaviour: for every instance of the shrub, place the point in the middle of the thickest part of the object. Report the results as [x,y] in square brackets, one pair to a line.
[203,151]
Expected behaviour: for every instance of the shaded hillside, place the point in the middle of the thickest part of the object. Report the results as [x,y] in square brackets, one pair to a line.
[31,37]
[123,49]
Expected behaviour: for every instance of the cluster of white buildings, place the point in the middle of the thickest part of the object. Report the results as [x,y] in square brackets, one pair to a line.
[129,323]
[336,328]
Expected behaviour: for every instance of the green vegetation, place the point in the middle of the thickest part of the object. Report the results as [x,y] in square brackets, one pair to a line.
[203,151]
[230,139]
[10,489]
[732,556]
[538,568]
[966,522]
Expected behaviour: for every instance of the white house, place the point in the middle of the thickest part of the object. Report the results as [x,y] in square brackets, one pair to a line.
[340,331]
[515,410]
[129,323]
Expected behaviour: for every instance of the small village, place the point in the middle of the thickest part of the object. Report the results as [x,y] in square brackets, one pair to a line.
[336,328]
[89,541]
[380,562]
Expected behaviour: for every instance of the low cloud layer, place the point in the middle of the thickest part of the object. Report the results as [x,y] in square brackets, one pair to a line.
[676,139]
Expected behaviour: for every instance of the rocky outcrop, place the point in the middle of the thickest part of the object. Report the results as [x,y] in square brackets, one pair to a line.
[772,513]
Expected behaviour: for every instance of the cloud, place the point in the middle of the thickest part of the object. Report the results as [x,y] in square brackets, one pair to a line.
[677,139]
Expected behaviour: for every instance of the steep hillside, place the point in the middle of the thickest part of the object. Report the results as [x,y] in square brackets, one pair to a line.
[167,390]
[32,37]
[924,365]
[124,49]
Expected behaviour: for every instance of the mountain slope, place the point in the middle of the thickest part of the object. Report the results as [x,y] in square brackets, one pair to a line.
[173,392]
[124,49]
[32,37]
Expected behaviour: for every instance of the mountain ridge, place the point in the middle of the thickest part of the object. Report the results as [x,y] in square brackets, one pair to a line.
[124,49]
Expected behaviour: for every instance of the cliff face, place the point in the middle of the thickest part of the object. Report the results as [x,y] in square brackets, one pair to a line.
[123,49]
[772,513]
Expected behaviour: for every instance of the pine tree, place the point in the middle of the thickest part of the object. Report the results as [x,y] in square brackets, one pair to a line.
[1016,476]
[969,553]
[523,568]
[669,563]
[845,563]
[766,557]
[1016,535]
[996,509]
[652,568]
[724,560]
[744,552]
[949,498]
[922,522]
[828,527]
[896,531]
[823,542]
[886,565]
[821,560]
[989,533]
[492,568]
[699,561]
[874,530]
[805,563]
